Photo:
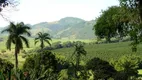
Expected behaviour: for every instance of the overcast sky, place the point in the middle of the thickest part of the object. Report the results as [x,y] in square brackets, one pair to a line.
[35,11]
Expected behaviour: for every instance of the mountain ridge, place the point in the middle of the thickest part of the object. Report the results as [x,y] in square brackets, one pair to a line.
[68,27]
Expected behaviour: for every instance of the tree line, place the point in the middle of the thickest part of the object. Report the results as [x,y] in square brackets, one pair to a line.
[121,21]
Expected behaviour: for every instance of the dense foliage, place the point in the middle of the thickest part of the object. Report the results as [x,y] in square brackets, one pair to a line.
[5,69]
[112,23]
[41,66]
[101,69]
[16,37]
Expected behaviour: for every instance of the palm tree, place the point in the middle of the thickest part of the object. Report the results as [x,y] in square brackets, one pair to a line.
[79,51]
[43,37]
[16,37]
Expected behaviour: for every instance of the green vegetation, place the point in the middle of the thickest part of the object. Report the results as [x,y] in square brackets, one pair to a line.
[63,60]
[43,37]
[16,37]
[107,52]
[115,25]
[123,20]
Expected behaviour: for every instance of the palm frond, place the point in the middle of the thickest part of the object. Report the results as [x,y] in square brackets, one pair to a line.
[10,29]
[13,41]
[43,37]
[46,34]
[26,27]
[25,41]
[19,43]
[12,26]
[47,37]
[23,29]
[6,30]
[36,42]
[28,33]
[39,34]
[8,42]
[47,42]
[37,38]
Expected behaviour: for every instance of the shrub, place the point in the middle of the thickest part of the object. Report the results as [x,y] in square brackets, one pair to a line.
[127,65]
[41,66]
[68,44]
[29,64]
[5,69]
[101,69]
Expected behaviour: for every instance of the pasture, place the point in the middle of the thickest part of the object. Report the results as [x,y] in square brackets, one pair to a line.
[108,52]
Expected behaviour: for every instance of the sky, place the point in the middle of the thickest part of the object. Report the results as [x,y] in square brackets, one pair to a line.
[36,11]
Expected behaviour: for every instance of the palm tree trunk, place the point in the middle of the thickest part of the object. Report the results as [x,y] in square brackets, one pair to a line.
[77,60]
[16,57]
[9,75]
[77,64]
[42,45]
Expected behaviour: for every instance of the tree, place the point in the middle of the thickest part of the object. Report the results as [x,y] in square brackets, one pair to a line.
[134,8]
[43,37]
[4,3]
[111,23]
[7,3]
[42,66]
[79,51]
[16,37]
[101,69]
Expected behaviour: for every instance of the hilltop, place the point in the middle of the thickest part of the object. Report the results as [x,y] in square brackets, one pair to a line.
[68,27]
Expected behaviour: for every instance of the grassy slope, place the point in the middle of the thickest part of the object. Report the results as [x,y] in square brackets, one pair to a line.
[10,54]
[103,51]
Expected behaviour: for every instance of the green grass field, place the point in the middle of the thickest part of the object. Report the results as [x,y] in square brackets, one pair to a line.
[10,54]
[104,51]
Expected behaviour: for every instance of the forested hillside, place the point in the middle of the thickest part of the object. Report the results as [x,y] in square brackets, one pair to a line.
[69,27]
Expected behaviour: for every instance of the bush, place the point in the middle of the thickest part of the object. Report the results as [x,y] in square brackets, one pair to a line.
[101,69]
[41,66]
[57,45]
[5,69]
[29,64]
[68,44]
[127,65]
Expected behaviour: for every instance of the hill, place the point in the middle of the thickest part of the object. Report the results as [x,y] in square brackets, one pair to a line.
[68,27]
